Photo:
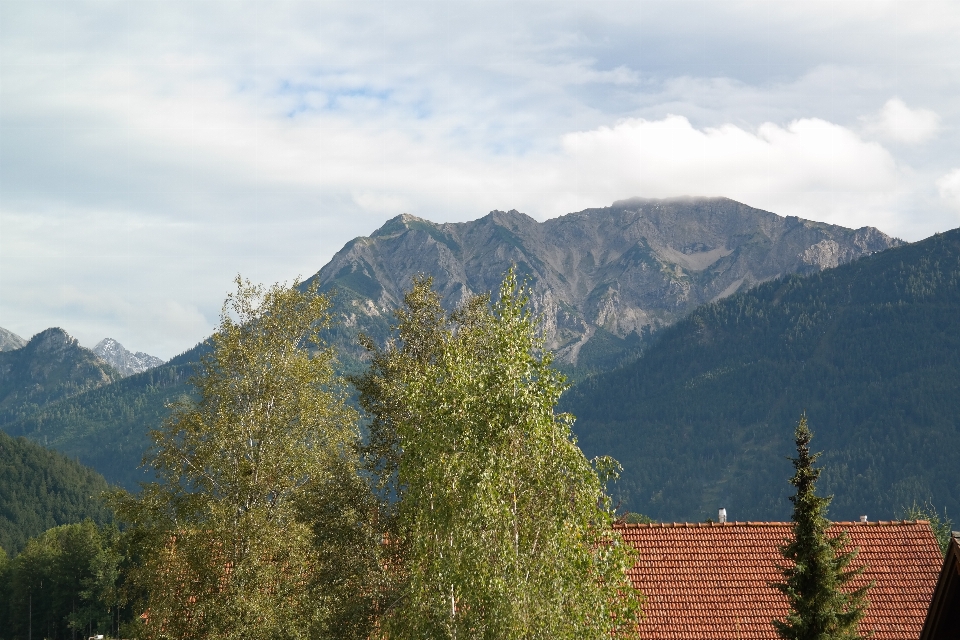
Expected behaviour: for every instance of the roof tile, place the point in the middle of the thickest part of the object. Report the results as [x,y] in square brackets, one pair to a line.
[714,580]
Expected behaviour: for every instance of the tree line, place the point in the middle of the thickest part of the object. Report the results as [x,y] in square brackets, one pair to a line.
[460,506]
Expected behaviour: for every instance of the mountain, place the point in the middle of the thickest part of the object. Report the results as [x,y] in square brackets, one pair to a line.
[51,366]
[10,341]
[611,274]
[604,278]
[40,489]
[869,350]
[106,427]
[125,362]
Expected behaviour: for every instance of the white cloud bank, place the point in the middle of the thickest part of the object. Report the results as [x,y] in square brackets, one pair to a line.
[898,122]
[949,187]
[809,165]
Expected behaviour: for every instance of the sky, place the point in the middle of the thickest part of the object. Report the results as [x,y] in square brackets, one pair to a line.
[151,151]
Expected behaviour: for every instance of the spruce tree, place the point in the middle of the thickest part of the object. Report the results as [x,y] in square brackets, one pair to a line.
[817,580]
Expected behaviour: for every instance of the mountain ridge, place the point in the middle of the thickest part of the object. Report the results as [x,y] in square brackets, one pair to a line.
[719,243]
[51,366]
[630,268]
[9,341]
[125,362]
[869,350]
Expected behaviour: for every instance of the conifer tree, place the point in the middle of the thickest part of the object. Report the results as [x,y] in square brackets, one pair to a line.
[501,526]
[817,582]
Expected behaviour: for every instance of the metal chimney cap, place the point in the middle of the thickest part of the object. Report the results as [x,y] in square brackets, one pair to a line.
[723,515]
[863,519]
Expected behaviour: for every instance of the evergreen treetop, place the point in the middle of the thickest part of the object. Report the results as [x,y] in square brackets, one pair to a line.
[818,578]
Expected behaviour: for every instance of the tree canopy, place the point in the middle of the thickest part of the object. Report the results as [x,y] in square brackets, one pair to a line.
[500,526]
[253,479]
[64,581]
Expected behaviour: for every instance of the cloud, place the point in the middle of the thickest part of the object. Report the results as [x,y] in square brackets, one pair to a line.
[807,165]
[896,121]
[151,151]
[949,187]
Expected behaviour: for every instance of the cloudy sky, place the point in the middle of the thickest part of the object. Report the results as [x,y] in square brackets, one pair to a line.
[150,151]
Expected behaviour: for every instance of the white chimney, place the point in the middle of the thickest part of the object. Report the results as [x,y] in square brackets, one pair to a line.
[723,515]
[863,519]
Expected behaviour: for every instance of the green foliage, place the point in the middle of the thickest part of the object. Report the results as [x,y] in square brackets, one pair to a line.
[942,527]
[500,525]
[817,579]
[40,489]
[255,479]
[637,518]
[870,349]
[66,581]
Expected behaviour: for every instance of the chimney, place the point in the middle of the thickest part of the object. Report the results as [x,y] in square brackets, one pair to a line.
[723,516]
[863,519]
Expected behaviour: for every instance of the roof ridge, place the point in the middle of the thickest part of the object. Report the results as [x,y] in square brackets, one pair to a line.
[750,523]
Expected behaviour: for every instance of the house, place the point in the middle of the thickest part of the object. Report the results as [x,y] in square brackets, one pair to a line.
[704,580]
[943,618]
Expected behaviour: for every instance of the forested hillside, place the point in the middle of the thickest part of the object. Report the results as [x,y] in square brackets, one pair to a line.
[106,428]
[40,489]
[870,350]
[51,366]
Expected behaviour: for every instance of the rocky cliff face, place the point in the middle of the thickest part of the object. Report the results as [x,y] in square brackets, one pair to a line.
[629,268]
[127,363]
[51,366]
[10,341]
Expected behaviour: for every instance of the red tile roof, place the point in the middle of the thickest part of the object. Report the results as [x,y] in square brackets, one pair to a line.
[713,580]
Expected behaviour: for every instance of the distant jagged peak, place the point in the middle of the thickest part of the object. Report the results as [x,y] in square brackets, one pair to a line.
[509,217]
[399,224]
[52,339]
[124,361]
[10,341]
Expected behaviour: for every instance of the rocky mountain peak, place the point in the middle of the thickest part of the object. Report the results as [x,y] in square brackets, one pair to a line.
[51,366]
[612,272]
[127,363]
[10,341]
[52,341]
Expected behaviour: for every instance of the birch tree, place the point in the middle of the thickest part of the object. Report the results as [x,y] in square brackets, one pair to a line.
[500,526]
[253,476]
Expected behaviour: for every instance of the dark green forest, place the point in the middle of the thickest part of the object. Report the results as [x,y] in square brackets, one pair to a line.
[40,489]
[870,350]
[106,428]
[65,583]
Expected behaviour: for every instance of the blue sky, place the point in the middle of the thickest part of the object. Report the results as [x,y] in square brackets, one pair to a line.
[150,151]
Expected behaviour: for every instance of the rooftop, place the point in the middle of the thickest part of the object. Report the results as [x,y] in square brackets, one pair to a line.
[706,580]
